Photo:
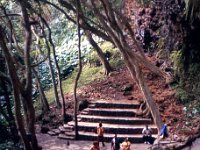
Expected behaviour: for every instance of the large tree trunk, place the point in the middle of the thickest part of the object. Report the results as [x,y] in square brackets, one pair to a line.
[148,97]
[43,100]
[132,60]
[27,92]
[104,61]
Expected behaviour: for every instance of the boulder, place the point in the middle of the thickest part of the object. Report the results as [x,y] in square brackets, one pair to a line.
[44,129]
[46,120]
[127,88]
[82,105]
[67,118]
[126,93]
[51,133]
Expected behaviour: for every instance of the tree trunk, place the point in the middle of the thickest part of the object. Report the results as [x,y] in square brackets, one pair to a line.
[59,84]
[53,77]
[79,71]
[27,92]
[132,60]
[11,119]
[148,97]
[84,25]
[43,100]
[25,111]
[16,92]
[58,70]
[57,101]
[104,61]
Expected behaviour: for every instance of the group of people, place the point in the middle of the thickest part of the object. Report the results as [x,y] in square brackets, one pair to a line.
[147,134]
[117,143]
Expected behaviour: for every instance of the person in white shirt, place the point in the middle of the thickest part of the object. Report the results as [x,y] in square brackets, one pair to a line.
[147,135]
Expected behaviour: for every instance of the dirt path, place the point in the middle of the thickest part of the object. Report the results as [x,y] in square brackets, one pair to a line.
[53,143]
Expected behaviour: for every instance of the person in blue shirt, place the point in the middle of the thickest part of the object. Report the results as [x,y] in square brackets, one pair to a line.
[115,143]
[164,132]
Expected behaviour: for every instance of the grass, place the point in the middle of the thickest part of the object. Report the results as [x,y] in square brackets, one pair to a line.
[88,75]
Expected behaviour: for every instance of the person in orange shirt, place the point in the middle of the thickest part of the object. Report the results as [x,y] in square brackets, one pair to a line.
[100,133]
[95,146]
[126,145]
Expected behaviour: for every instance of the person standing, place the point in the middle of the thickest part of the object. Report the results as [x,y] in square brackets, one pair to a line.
[115,143]
[100,133]
[164,132]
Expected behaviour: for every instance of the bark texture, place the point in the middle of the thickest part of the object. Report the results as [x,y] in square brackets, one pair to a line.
[116,29]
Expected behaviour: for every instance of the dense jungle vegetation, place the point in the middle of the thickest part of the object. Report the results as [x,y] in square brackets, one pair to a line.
[49,48]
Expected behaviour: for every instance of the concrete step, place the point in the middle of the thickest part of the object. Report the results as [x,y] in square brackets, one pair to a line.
[110,111]
[134,138]
[114,119]
[113,128]
[114,104]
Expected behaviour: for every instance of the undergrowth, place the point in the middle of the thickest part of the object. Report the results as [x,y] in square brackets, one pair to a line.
[90,72]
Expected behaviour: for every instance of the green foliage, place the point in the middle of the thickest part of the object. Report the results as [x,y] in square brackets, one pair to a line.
[161,43]
[183,96]
[176,57]
[116,58]
[3,130]
[188,87]
[144,2]
[117,4]
[93,59]
[88,75]
[114,55]
[198,108]
[8,145]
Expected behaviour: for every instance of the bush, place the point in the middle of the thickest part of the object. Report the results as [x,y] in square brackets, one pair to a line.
[4,132]
[111,53]
[182,96]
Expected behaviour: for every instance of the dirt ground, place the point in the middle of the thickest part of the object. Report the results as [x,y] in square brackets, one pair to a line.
[53,143]
[111,89]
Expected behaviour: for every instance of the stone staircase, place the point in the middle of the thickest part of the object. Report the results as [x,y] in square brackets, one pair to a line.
[117,116]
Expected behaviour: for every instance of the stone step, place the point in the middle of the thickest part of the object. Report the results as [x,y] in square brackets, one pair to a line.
[114,119]
[114,104]
[66,137]
[68,127]
[134,138]
[52,133]
[110,111]
[113,128]
[65,129]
